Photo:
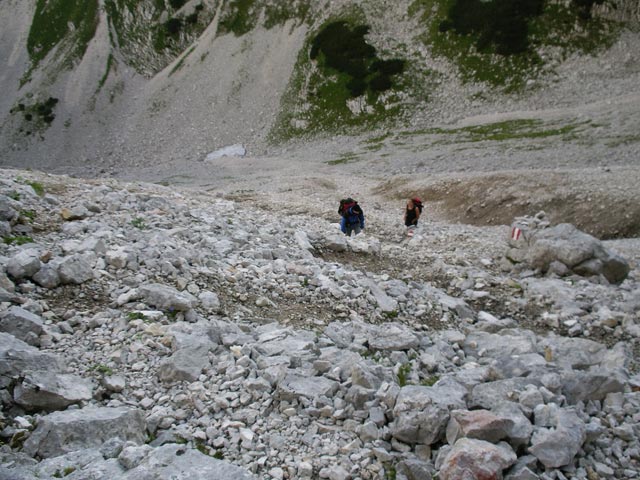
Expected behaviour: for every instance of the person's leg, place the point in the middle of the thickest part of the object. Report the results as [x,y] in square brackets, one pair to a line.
[349,229]
[356,229]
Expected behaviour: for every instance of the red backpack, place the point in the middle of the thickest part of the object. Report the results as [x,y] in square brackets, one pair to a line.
[417,203]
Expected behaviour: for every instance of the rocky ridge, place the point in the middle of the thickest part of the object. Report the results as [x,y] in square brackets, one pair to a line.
[148,331]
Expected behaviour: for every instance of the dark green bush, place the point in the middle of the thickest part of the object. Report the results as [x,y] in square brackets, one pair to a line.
[343,48]
[583,7]
[191,19]
[501,24]
[173,26]
[176,4]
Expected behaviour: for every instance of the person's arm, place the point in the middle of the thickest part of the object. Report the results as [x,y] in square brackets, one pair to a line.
[361,218]
[343,225]
[417,213]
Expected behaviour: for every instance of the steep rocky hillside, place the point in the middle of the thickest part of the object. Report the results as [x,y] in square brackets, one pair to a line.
[160,333]
[120,83]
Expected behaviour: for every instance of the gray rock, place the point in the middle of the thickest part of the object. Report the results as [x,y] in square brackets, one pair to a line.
[209,301]
[302,240]
[475,459]
[478,424]
[295,385]
[114,383]
[166,298]
[337,243]
[592,385]
[421,413]
[76,269]
[521,428]
[8,209]
[44,391]
[414,469]
[384,301]
[570,353]
[24,264]
[186,364]
[506,343]
[22,324]
[558,446]
[17,358]
[47,277]
[391,336]
[577,251]
[63,432]
[491,395]
[181,462]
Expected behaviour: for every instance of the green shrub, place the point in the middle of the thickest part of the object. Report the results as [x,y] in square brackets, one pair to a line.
[29,214]
[139,223]
[17,240]
[37,187]
[14,195]
[403,374]
[173,26]
[176,4]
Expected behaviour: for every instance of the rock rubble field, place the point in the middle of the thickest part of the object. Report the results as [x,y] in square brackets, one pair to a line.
[149,332]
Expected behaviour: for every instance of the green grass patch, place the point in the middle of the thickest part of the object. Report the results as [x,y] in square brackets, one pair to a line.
[17,240]
[343,159]
[178,65]
[239,18]
[100,368]
[403,374]
[37,187]
[139,223]
[14,195]
[136,316]
[28,214]
[54,20]
[502,131]
[495,41]
[430,381]
[110,65]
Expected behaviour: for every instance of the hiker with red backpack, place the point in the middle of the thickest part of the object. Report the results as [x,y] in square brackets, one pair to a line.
[412,214]
[352,217]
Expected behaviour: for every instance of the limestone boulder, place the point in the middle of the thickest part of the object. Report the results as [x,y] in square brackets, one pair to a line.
[295,385]
[22,324]
[166,298]
[479,424]
[18,357]
[476,459]
[24,264]
[421,413]
[557,447]
[44,391]
[63,432]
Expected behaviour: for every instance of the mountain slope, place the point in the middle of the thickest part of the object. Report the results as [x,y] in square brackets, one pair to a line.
[154,82]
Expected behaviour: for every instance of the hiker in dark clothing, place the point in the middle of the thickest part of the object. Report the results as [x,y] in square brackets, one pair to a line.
[352,217]
[412,212]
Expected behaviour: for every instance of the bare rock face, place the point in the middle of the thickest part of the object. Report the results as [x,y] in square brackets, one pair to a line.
[563,250]
[478,424]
